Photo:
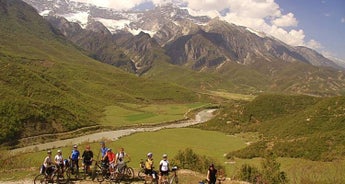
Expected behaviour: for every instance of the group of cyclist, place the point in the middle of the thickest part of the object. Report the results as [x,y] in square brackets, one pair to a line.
[51,165]
[115,161]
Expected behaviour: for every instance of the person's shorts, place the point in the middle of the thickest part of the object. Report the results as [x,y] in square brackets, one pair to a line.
[88,162]
[164,173]
[148,171]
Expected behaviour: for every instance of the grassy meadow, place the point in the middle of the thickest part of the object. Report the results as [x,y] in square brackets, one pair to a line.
[209,143]
[134,114]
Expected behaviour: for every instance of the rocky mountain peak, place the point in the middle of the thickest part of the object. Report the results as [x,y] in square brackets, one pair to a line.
[186,37]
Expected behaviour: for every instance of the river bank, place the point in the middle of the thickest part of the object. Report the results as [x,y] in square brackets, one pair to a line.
[113,135]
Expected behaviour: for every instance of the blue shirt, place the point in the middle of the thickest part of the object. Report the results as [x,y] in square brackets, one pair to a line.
[104,151]
[75,155]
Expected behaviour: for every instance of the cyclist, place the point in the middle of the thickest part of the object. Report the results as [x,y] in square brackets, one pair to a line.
[87,158]
[110,156]
[58,159]
[149,166]
[103,149]
[120,159]
[48,163]
[163,167]
[75,155]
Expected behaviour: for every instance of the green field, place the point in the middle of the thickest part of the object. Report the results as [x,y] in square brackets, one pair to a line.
[209,143]
[134,114]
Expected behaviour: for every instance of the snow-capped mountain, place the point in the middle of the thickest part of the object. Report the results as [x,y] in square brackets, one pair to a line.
[196,41]
[134,21]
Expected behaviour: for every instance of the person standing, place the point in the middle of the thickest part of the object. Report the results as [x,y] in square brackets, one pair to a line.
[103,149]
[149,166]
[58,159]
[48,163]
[120,159]
[163,167]
[75,155]
[211,175]
[110,157]
[87,158]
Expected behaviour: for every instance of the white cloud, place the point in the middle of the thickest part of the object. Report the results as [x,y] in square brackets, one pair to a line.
[342,20]
[260,15]
[314,44]
[285,20]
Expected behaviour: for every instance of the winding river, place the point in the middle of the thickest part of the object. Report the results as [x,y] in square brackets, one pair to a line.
[113,135]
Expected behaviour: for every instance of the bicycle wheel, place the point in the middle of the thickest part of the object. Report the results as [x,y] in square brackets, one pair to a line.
[165,181]
[129,173]
[67,174]
[141,174]
[62,178]
[40,179]
[173,180]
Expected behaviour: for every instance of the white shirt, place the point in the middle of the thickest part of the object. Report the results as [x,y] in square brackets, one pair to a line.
[58,159]
[164,165]
[47,161]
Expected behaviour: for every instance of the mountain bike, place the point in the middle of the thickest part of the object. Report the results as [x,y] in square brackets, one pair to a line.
[71,169]
[123,173]
[100,171]
[171,179]
[55,175]
[86,169]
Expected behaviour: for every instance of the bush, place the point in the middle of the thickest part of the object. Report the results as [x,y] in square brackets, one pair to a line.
[269,173]
[187,159]
[248,173]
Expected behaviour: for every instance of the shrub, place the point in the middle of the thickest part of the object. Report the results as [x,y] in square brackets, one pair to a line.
[187,159]
[269,173]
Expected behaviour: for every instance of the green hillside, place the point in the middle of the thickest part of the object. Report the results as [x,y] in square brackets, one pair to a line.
[48,85]
[292,126]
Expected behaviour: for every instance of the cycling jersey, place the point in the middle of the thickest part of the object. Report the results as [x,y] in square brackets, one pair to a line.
[47,161]
[87,155]
[164,165]
[120,157]
[149,164]
[104,151]
[111,157]
[58,159]
[75,155]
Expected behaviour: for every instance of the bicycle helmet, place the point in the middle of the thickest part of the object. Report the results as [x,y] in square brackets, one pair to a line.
[75,146]
[49,152]
[59,151]
[149,154]
[165,155]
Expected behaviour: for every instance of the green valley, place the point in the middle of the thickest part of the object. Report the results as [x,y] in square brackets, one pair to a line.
[51,89]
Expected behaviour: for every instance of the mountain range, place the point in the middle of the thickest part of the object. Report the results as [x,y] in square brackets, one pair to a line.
[58,76]
[164,39]
[49,85]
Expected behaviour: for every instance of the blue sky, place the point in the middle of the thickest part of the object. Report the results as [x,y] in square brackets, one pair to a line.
[321,20]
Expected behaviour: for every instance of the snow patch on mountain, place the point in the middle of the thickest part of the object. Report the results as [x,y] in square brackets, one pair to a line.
[78,17]
[45,13]
[260,34]
[137,31]
[114,25]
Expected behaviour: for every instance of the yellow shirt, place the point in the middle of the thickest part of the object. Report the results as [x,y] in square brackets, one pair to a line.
[149,164]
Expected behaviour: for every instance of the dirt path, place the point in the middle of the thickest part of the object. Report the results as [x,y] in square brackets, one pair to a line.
[200,117]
